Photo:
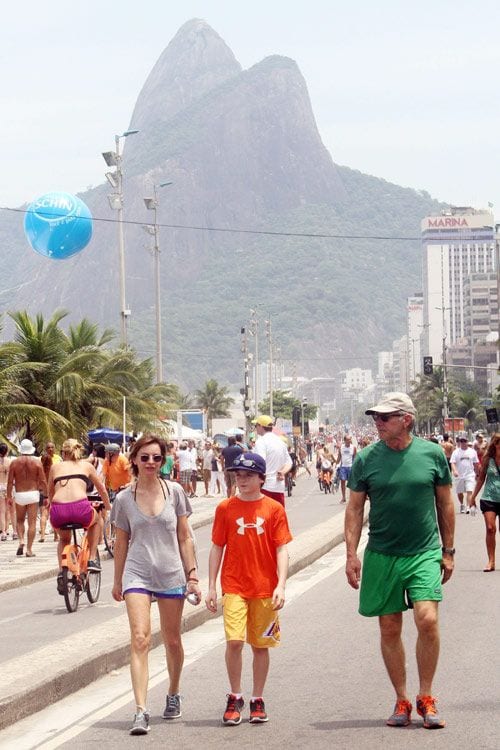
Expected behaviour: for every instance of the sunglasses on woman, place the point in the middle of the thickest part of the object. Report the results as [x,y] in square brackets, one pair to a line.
[157,458]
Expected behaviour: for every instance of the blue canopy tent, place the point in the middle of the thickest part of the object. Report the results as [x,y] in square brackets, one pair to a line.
[106,435]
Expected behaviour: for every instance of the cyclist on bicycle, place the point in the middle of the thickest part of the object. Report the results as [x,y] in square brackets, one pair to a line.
[69,481]
[327,461]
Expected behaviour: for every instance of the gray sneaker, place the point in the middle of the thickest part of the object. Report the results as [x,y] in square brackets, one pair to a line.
[173,707]
[141,723]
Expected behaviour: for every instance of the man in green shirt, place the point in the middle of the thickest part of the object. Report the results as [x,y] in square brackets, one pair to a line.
[408,483]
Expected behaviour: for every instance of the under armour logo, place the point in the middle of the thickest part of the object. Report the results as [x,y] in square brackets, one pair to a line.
[259,523]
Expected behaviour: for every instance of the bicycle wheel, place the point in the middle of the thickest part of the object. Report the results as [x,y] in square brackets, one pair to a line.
[109,537]
[93,587]
[71,590]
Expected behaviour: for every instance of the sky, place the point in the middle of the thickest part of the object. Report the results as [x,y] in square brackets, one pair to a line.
[403,91]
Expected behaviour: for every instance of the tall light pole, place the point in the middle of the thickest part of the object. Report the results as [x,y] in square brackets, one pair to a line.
[254,330]
[115,179]
[152,205]
[269,335]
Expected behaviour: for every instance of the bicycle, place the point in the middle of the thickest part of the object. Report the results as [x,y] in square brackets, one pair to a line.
[75,574]
[326,480]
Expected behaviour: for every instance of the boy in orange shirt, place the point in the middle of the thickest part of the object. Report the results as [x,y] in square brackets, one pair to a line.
[251,531]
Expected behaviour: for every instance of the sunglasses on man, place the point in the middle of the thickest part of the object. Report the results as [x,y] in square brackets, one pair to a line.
[386,417]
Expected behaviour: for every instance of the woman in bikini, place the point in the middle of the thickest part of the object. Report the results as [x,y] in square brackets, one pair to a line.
[69,481]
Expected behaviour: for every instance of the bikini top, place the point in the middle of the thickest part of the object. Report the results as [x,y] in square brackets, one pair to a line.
[66,477]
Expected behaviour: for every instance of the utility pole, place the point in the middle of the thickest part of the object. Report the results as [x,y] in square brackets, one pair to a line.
[245,391]
[254,331]
[269,336]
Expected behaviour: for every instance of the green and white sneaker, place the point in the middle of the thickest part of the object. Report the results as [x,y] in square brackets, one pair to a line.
[141,723]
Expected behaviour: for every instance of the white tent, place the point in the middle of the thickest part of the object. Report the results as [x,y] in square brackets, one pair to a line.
[186,432]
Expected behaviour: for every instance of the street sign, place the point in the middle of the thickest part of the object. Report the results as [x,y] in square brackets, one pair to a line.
[428,368]
[491,416]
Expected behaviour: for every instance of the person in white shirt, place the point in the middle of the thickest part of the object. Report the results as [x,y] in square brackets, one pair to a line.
[274,451]
[345,457]
[464,466]
[207,456]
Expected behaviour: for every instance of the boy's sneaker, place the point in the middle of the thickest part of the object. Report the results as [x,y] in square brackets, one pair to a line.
[401,716]
[426,707]
[257,711]
[232,714]
[141,723]
[462,509]
[173,707]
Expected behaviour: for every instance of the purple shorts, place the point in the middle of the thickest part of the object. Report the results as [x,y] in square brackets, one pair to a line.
[80,511]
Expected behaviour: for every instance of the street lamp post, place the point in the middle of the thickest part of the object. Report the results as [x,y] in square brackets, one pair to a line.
[115,179]
[152,205]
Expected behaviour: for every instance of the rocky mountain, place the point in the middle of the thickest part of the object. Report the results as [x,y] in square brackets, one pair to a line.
[243,152]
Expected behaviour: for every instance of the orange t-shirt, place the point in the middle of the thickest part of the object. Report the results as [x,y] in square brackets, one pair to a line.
[250,531]
[116,474]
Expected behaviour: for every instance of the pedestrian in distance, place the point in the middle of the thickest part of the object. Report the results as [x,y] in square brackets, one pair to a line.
[25,481]
[275,453]
[250,532]
[229,453]
[5,508]
[345,457]
[465,467]
[154,558]
[115,469]
[409,485]
[489,478]
[48,457]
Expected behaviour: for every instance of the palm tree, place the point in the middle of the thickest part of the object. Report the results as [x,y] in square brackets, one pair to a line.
[57,384]
[215,400]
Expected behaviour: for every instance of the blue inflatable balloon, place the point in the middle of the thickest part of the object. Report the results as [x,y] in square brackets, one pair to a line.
[58,225]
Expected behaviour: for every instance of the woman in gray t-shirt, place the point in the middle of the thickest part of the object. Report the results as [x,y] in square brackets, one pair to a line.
[154,556]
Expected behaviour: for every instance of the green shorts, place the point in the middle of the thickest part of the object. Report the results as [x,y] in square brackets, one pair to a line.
[387,578]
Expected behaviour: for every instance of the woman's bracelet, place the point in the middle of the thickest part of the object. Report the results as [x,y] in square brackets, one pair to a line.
[193,580]
[191,571]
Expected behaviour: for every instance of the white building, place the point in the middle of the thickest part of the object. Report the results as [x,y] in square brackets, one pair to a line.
[414,333]
[457,243]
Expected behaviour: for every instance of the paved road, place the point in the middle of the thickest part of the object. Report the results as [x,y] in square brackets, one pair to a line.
[327,687]
[35,615]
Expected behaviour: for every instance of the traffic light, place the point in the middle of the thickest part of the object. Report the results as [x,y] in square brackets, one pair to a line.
[428,367]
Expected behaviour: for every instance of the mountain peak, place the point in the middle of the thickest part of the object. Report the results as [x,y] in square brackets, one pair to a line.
[196,60]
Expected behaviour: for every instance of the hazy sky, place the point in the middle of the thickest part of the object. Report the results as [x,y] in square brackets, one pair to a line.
[404,91]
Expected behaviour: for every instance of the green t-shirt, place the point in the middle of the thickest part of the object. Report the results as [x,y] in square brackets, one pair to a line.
[167,467]
[491,491]
[401,484]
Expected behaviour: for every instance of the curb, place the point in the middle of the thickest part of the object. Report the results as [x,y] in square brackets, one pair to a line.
[109,644]
[43,575]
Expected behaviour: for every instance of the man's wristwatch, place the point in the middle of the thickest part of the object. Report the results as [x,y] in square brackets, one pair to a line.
[448,550]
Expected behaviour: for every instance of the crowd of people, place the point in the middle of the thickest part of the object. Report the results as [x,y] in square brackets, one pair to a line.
[410,552]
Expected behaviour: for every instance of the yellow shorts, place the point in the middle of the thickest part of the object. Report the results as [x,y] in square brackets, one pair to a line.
[251,620]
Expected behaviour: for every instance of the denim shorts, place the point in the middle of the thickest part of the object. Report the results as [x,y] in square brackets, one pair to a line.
[178,592]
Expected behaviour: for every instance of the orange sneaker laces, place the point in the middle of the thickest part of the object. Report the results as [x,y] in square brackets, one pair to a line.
[428,704]
[402,707]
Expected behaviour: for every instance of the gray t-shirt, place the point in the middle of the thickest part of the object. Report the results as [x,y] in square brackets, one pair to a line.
[153,559]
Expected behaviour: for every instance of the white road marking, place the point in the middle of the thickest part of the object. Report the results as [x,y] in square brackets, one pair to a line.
[91,704]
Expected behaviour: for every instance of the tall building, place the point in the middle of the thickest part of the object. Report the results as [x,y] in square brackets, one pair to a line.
[414,332]
[456,244]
